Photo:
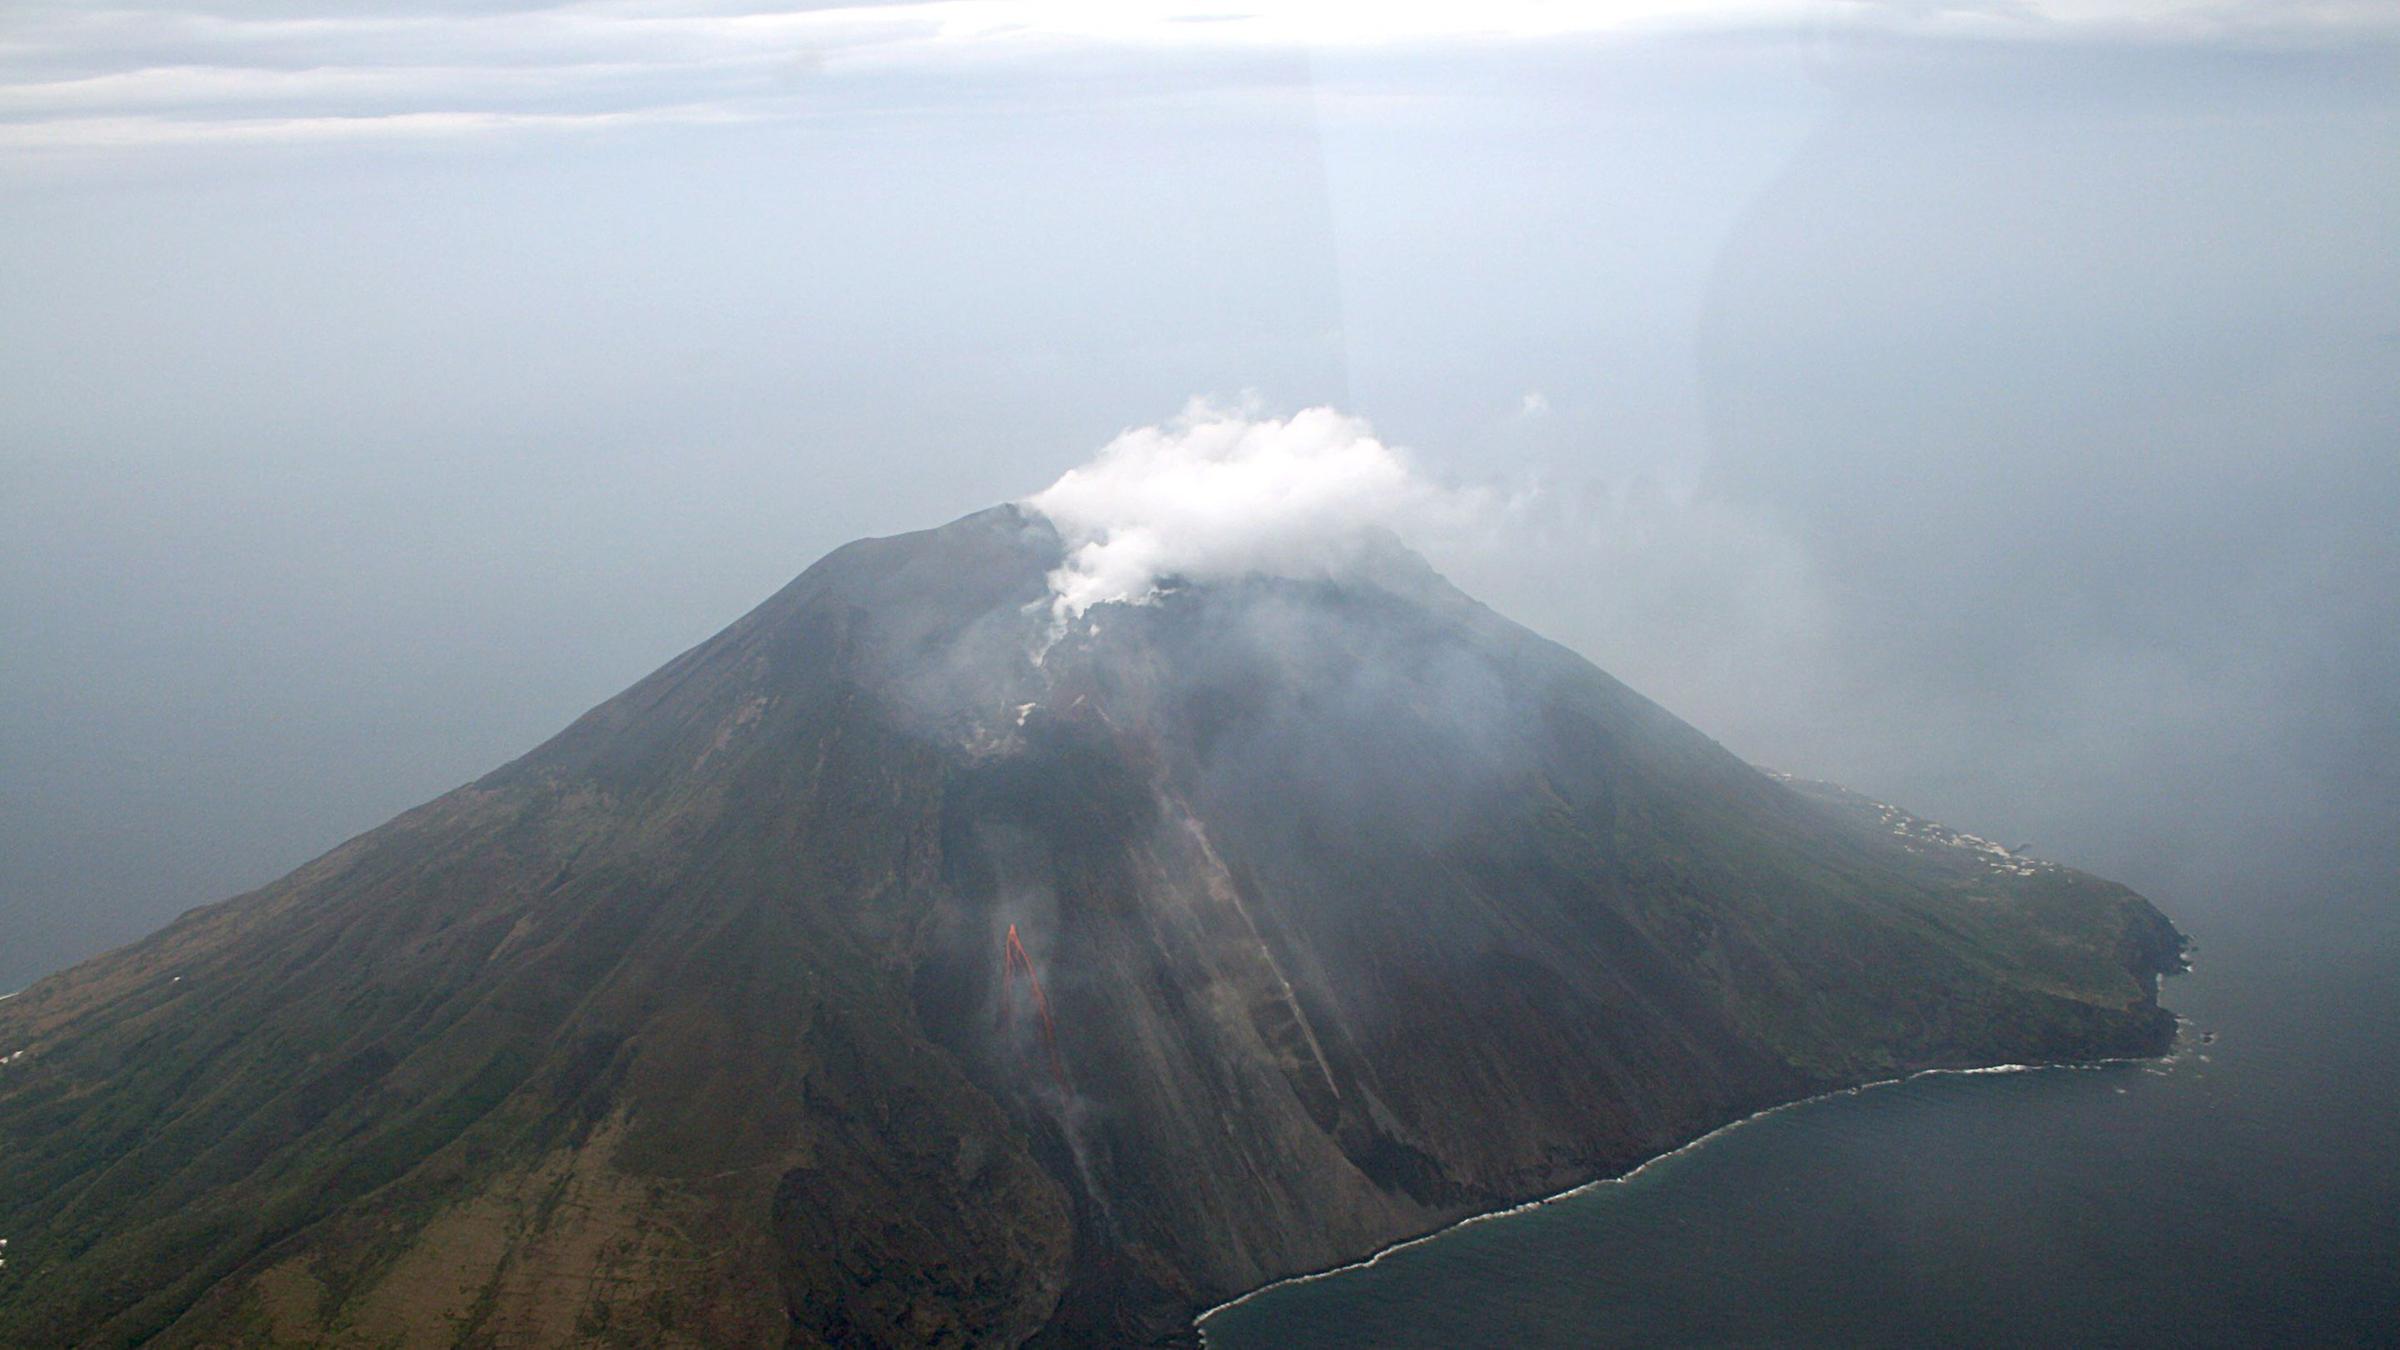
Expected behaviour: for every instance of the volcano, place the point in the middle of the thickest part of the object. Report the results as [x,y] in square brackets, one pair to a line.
[916,964]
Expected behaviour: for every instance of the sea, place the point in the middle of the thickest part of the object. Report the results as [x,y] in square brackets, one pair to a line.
[2244,1191]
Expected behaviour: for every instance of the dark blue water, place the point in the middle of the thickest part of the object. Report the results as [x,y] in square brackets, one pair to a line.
[2246,1192]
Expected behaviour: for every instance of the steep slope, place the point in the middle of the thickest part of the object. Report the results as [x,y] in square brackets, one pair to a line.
[1353,908]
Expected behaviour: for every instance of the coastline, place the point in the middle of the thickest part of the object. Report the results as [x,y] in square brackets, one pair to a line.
[2174,1052]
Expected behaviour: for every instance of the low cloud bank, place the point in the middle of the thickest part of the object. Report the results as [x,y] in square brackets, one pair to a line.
[1219,493]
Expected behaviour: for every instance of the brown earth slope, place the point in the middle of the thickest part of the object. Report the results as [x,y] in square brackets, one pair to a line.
[1356,909]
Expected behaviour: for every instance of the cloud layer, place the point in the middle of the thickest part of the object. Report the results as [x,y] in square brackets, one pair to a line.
[1219,493]
[82,76]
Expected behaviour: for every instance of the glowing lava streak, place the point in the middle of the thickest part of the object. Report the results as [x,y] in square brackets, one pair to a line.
[1013,959]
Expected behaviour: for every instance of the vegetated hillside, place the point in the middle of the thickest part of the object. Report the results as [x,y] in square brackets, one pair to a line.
[1352,908]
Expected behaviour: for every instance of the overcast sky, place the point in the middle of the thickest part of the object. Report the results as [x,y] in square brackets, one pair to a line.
[1995,407]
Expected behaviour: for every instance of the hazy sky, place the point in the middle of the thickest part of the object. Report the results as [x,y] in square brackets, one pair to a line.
[1995,407]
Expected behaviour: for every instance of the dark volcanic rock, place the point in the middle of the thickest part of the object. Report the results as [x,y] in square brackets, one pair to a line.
[1354,909]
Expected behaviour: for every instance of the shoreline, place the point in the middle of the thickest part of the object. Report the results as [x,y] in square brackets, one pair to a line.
[2174,1052]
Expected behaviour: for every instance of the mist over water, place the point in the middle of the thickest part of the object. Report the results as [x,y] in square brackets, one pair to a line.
[2000,425]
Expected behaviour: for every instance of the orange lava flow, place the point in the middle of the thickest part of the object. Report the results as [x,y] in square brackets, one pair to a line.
[1013,958]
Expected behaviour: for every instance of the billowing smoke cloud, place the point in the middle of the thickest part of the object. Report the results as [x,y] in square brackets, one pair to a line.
[1220,493]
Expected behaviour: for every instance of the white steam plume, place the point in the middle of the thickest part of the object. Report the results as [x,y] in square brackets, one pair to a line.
[1218,493]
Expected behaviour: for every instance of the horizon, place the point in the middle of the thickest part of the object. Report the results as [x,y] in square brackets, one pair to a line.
[2015,391]
[1523,584]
